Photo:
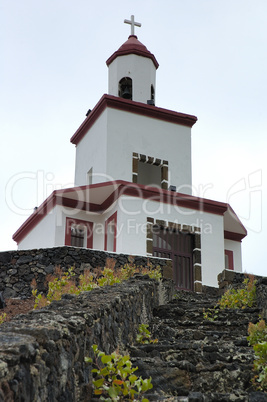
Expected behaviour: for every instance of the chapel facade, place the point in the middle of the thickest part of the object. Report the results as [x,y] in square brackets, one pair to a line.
[133,183]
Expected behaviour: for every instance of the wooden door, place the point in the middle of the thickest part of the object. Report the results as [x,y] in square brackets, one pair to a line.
[177,246]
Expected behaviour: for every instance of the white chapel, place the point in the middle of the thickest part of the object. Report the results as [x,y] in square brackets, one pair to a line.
[133,183]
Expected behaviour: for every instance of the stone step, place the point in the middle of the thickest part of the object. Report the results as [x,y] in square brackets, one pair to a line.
[178,378]
[198,359]
[197,352]
[179,310]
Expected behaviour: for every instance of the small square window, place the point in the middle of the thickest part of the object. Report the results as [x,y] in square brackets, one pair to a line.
[78,233]
[229,259]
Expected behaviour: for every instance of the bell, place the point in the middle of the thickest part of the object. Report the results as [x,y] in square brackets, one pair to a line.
[126,93]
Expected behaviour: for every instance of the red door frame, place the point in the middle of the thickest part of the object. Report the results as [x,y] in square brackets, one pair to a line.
[108,221]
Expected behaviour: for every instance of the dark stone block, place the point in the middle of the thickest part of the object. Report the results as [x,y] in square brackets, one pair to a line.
[257,397]
[69,260]
[241,342]
[49,269]
[9,293]
[263,281]
[5,257]
[24,259]
[195,397]
[2,301]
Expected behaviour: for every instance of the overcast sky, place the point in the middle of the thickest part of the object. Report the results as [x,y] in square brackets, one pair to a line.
[213,64]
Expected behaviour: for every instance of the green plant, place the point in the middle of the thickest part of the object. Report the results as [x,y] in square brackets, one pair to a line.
[56,288]
[234,298]
[108,277]
[153,273]
[144,335]
[2,318]
[240,298]
[258,340]
[127,271]
[211,314]
[62,283]
[114,378]
[87,282]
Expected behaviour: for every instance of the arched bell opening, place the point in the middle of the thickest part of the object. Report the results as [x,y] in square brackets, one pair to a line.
[125,88]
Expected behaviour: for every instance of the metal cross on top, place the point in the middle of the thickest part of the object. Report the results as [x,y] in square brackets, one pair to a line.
[132,23]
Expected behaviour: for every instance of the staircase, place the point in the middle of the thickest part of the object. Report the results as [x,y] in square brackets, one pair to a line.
[197,359]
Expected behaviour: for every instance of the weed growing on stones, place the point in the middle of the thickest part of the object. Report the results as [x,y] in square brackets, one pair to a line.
[240,298]
[258,340]
[2,318]
[64,283]
[144,335]
[234,298]
[56,288]
[114,378]
[211,314]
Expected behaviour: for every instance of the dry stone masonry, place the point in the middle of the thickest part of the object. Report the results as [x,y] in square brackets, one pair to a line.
[19,268]
[42,353]
[196,360]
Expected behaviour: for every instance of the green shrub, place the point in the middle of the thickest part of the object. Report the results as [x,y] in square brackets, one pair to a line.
[144,335]
[62,283]
[258,339]
[114,378]
[240,298]
[234,298]
[108,278]
[57,286]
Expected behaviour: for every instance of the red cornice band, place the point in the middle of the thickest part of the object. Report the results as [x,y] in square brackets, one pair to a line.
[59,197]
[126,105]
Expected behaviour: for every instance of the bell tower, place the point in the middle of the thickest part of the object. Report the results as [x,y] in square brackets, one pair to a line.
[132,70]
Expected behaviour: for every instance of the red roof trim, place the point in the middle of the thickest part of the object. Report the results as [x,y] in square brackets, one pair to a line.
[130,106]
[133,46]
[123,188]
[76,204]
[170,197]
[234,236]
[35,218]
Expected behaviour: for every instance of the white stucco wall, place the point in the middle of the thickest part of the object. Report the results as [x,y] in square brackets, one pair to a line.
[132,218]
[130,133]
[109,145]
[235,246]
[141,70]
[42,235]
[91,152]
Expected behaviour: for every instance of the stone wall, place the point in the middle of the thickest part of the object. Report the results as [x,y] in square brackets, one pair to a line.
[19,268]
[42,352]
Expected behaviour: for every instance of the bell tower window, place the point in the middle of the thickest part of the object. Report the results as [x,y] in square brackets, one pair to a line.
[150,171]
[152,96]
[125,88]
